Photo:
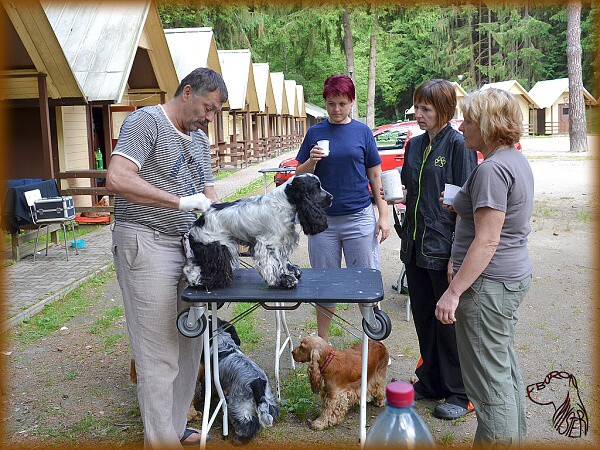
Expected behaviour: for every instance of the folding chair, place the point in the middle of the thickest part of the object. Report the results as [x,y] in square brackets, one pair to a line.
[47,211]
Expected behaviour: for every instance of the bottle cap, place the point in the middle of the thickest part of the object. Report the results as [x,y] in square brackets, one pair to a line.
[400,394]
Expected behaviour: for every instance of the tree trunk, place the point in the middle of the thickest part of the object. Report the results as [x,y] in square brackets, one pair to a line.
[348,48]
[577,125]
[372,64]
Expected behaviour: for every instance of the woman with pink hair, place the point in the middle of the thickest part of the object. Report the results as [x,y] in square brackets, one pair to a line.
[352,164]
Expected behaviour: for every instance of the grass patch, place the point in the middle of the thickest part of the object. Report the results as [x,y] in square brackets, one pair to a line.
[447,439]
[543,210]
[245,326]
[249,189]
[107,320]
[55,315]
[297,396]
[111,340]
[85,428]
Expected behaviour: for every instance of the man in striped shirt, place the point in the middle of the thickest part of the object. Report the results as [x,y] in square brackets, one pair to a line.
[160,172]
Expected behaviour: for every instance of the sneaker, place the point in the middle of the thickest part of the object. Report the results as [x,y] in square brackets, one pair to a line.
[450,411]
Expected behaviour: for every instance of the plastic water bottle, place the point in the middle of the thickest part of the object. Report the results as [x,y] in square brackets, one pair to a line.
[399,426]
[99,161]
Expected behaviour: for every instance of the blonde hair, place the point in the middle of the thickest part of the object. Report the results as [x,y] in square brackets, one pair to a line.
[497,115]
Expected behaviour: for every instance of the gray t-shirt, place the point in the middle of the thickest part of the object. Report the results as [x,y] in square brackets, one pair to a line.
[168,159]
[503,181]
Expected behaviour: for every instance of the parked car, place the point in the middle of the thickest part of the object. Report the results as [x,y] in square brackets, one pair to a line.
[391,140]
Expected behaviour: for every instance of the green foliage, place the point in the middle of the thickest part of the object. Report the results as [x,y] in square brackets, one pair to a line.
[483,42]
[53,316]
[107,320]
[245,326]
[297,397]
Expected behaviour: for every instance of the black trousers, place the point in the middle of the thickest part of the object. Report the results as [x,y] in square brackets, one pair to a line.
[439,374]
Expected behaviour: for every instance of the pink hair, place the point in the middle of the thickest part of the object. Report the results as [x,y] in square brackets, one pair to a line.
[339,85]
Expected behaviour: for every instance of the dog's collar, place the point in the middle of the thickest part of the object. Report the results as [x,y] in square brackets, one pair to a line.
[224,353]
[327,361]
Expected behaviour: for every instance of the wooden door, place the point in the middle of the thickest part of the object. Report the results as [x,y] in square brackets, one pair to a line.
[563,118]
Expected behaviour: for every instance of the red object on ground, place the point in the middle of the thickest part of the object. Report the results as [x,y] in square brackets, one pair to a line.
[100,220]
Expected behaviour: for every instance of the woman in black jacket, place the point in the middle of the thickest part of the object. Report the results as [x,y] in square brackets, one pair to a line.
[432,159]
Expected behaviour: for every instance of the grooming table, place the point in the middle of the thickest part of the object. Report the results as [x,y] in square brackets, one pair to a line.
[361,286]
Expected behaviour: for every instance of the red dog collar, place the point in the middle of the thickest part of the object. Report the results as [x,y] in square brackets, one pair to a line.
[327,361]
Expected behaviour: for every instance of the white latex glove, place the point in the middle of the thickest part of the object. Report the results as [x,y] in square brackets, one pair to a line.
[196,202]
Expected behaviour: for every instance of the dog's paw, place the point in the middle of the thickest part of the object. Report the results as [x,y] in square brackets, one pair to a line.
[288,281]
[193,274]
[294,269]
[318,424]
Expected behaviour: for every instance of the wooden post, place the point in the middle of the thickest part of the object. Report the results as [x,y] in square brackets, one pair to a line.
[45,127]
[106,120]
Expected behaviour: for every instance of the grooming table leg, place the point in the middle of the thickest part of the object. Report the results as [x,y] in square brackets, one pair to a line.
[222,402]
[281,347]
[207,389]
[289,339]
[363,389]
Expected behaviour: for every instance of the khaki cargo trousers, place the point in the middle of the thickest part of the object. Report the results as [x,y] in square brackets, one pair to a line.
[486,318]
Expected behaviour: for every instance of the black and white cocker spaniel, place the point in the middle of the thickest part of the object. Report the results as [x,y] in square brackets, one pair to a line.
[250,400]
[266,225]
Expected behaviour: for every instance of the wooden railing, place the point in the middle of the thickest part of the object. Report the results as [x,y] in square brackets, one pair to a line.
[93,192]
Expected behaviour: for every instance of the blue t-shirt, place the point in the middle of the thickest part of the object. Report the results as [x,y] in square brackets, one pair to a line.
[352,150]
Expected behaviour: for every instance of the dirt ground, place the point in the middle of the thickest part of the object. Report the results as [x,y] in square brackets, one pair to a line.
[72,386]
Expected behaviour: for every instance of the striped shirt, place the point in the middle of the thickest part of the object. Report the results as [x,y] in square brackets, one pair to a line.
[166,158]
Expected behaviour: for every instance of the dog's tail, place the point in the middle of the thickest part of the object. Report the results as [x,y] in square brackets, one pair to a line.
[267,410]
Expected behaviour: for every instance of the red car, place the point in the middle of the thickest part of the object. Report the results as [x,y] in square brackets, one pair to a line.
[391,140]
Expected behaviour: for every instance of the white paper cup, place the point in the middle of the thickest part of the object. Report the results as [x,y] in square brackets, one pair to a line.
[450,191]
[392,185]
[324,144]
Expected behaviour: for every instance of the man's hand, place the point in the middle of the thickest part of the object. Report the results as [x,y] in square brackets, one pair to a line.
[196,202]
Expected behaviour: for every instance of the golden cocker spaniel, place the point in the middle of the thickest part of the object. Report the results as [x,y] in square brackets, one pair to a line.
[336,375]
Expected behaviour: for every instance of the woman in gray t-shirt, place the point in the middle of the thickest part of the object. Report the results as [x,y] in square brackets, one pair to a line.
[492,270]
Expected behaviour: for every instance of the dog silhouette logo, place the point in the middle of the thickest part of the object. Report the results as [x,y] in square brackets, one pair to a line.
[560,390]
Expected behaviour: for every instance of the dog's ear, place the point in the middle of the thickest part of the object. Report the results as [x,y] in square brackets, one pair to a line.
[312,217]
[314,372]
[300,193]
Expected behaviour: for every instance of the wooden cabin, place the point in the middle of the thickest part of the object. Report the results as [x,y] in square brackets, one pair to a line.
[314,114]
[238,74]
[281,105]
[552,98]
[263,125]
[301,121]
[192,48]
[76,70]
[526,103]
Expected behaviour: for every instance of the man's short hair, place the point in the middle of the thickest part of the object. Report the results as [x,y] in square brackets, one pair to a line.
[202,81]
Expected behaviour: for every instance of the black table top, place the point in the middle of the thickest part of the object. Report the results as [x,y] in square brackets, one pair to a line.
[15,211]
[315,285]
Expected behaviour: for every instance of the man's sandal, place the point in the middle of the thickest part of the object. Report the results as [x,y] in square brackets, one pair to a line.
[190,432]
